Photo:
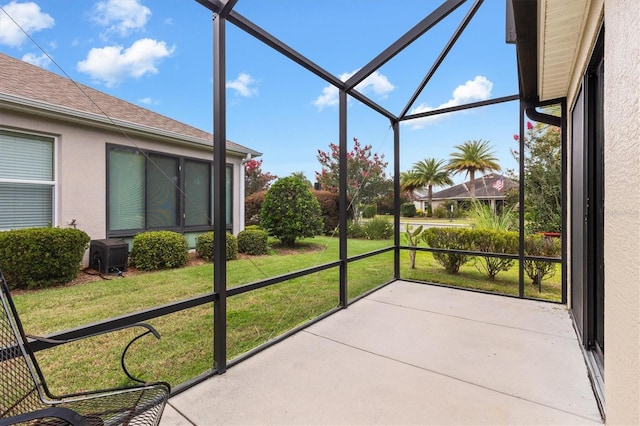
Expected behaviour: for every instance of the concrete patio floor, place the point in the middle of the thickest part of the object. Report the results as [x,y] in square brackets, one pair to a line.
[408,354]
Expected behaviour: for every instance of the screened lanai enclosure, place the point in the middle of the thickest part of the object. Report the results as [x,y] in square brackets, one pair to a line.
[217,324]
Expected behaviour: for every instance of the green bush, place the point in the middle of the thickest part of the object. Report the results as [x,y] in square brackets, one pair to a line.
[443,211]
[252,241]
[408,210]
[369,212]
[449,238]
[539,245]
[204,246]
[290,211]
[253,228]
[378,229]
[355,230]
[494,241]
[159,250]
[41,257]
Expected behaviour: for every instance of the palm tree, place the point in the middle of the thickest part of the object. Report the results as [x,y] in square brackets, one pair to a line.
[471,157]
[409,182]
[429,173]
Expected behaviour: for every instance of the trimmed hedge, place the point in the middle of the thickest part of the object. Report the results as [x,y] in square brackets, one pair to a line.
[41,257]
[492,241]
[253,241]
[204,246]
[449,238]
[540,245]
[159,250]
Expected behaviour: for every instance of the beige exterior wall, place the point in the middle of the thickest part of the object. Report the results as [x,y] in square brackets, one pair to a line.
[80,168]
[622,198]
[622,211]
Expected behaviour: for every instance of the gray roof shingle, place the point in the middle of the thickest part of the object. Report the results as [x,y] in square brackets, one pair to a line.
[484,189]
[29,83]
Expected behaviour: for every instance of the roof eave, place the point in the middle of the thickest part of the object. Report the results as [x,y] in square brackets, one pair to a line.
[525,14]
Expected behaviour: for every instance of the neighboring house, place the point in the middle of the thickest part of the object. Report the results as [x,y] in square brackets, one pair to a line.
[490,189]
[587,53]
[73,156]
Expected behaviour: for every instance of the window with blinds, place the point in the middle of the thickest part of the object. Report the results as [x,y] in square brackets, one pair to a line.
[151,190]
[26,180]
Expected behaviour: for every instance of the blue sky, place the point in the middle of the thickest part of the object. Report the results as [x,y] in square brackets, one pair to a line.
[158,54]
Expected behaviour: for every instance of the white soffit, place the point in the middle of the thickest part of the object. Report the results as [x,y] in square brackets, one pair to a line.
[561,25]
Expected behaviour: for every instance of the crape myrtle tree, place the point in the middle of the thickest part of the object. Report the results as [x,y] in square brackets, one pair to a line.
[254,178]
[366,179]
[542,178]
[290,211]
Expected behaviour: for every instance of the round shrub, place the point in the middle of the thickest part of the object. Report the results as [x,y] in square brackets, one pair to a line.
[204,246]
[41,257]
[408,210]
[159,250]
[290,211]
[449,238]
[253,241]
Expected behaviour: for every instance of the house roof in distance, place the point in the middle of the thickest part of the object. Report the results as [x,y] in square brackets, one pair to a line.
[30,88]
[484,189]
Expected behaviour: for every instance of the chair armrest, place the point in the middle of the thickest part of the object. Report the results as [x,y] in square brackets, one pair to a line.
[62,413]
[148,327]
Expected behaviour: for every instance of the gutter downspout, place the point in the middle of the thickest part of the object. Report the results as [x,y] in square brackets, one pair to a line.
[244,161]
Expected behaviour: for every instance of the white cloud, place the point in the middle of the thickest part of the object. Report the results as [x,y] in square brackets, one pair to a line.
[121,16]
[28,16]
[478,89]
[147,101]
[41,61]
[376,83]
[242,85]
[112,64]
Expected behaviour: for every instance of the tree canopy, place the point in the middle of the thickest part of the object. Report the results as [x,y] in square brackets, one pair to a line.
[254,178]
[366,179]
[542,178]
[471,157]
[429,173]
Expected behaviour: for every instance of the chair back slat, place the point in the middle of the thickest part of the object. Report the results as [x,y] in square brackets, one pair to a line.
[20,381]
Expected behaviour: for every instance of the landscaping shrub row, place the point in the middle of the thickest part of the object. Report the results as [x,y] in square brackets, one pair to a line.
[492,241]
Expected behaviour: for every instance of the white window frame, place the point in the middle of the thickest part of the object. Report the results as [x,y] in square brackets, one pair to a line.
[53,184]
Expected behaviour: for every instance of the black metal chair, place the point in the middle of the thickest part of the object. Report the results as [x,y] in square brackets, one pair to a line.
[25,398]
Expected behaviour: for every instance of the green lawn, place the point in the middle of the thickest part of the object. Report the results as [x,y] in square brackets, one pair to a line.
[253,318]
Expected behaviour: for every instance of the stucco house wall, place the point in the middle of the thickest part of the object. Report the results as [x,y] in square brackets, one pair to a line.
[80,167]
[37,102]
[622,211]
[622,197]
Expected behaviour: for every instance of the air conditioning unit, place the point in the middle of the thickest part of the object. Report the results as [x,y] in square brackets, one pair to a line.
[109,256]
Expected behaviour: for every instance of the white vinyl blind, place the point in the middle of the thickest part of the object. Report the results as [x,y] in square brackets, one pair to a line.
[26,180]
